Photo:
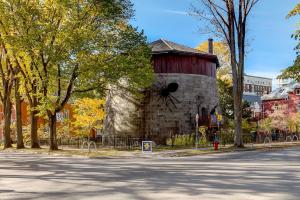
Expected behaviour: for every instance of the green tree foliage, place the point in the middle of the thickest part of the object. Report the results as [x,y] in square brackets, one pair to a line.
[66,48]
[293,72]
[226,100]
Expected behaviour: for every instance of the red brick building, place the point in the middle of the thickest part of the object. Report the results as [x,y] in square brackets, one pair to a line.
[285,98]
[65,113]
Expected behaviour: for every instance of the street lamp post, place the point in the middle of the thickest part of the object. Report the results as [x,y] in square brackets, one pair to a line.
[196,135]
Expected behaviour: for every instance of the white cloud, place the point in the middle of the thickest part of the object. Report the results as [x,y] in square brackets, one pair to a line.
[177,12]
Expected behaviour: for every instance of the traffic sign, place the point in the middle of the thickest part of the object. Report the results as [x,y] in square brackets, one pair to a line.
[147,146]
[220,118]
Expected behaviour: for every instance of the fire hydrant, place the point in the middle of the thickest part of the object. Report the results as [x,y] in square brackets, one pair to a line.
[216,145]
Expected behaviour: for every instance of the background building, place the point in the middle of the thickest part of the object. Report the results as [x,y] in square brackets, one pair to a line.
[285,99]
[66,113]
[255,85]
[254,88]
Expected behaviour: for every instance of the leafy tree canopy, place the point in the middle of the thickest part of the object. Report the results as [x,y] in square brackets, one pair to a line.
[89,113]
[295,11]
[72,47]
[226,100]
[64,49]
[293,72]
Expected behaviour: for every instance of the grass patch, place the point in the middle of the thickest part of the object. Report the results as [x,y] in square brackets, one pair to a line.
[169,148]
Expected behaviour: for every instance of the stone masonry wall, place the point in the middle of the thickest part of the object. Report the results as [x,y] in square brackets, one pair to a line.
[194,92]
[156,117]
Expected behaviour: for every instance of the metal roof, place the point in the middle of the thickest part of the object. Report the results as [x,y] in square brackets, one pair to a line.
[163,46]
[282,92]
[252,98]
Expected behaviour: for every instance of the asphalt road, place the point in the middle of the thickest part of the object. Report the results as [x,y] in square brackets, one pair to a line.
[230,176]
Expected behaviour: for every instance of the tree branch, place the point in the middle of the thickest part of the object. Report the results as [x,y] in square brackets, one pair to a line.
[69,89]
[58,84]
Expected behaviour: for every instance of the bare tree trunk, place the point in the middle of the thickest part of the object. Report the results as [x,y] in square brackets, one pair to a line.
[52,126]
[20,142]
[242,19]
[228,20]
[34,127]
[238,120]
[237,74]
[34,119]
[6,103]
[238,100]
[7,123]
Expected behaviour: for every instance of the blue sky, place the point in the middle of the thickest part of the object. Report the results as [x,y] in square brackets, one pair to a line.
[269,32]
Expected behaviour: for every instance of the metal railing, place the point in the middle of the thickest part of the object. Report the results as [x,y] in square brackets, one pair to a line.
[183,140]
[116,142]
[228,137]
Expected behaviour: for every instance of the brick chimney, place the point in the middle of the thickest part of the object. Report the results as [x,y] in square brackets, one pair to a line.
[210,46]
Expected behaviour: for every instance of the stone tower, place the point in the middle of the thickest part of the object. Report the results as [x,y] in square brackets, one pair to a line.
[185,84]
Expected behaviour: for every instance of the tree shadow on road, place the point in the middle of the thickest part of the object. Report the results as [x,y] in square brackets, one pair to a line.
[257,174]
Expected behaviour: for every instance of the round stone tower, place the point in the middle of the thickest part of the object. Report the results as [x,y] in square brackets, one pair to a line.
[185,84]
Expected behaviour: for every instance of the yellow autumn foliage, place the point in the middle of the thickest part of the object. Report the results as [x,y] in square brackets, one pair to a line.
[88,114]
[295,11]
[222,52]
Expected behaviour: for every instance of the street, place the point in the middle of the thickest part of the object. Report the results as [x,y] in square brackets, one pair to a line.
[254,175]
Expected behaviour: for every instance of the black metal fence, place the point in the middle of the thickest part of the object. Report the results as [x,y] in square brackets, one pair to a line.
[186,140]
[227,138]
[258,137]
[115,142]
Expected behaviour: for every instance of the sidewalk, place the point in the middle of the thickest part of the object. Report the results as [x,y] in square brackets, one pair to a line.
[157,153]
